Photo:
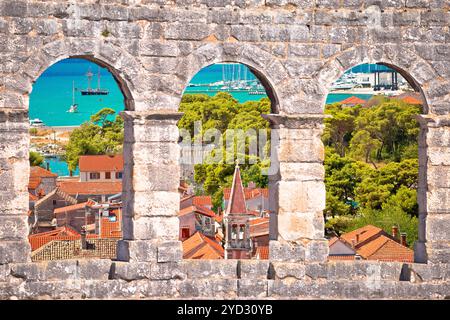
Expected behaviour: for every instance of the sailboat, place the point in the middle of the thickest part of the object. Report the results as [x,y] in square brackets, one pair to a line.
[74,107]
[90,91]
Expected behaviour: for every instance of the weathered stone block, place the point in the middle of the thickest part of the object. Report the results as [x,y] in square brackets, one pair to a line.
[253,269]
[13,227]
[211,268]
[256,288]
[301,171]
[170,251]
[15,251]
[156,203]
[167,271]
[316,270]
[129,271]
[317,251]
[95,269]
[296,226]
[62,270]
[218,288]
[29,271]
[284,270]
[286,251]
[301,151]
[152,228]
[438,227]
[137,250]
[300,196]
[156,177]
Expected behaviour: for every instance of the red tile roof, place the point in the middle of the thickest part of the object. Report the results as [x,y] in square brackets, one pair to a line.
[199,246]
[202,201]
[349,257]
[63,233]
[237,205]
[262,252]
[197,209]
[100,163]
[385,249]
[365,233]
[376,244]
[353,101]
[88,188]
[410,97]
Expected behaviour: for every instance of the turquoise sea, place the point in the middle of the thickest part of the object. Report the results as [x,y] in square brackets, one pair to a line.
[51,96]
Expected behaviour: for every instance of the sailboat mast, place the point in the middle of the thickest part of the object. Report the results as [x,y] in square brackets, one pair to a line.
[98,79]
[73,92]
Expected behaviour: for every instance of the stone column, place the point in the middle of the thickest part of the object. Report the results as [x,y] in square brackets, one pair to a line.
[434,190]
[299,190]
[150,187]
[14,176]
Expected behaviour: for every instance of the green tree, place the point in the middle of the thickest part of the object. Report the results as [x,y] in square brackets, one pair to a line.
[36,159]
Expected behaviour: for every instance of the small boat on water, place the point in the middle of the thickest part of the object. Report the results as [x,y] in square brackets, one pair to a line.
[36,123]
[74,107]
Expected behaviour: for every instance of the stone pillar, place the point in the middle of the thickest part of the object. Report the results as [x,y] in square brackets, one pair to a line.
[434,190]
[150,187]
[14,176]
[299,190]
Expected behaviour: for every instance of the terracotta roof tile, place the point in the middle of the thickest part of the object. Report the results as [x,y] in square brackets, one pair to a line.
[353,101]
[36,171]
[202,201]
[348,257]
[385,249]
[365,233]
[39,239]
[198,209]
[198,246]
[90,188]
[259,227]
[101,163]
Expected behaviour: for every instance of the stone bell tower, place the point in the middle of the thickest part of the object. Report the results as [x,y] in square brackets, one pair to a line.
[238,244]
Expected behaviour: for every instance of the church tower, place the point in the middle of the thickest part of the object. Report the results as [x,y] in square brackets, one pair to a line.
[238,244]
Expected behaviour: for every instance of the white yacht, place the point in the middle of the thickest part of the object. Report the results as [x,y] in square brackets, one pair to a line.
[36,123]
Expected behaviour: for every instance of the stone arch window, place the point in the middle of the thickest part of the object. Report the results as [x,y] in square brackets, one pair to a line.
[64,96]
[223,105]
[373,135]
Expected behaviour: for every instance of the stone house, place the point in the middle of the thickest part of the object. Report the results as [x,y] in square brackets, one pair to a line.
[41,182]
[371,243]
[101,168]
[44,209]
[76,216]
[196,218]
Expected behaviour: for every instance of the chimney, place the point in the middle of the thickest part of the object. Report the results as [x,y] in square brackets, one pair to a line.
[353,243]
[83,239]
[395,232]
[403,239]
[357,238]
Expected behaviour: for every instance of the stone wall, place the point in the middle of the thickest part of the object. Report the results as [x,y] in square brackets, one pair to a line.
[153,48]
